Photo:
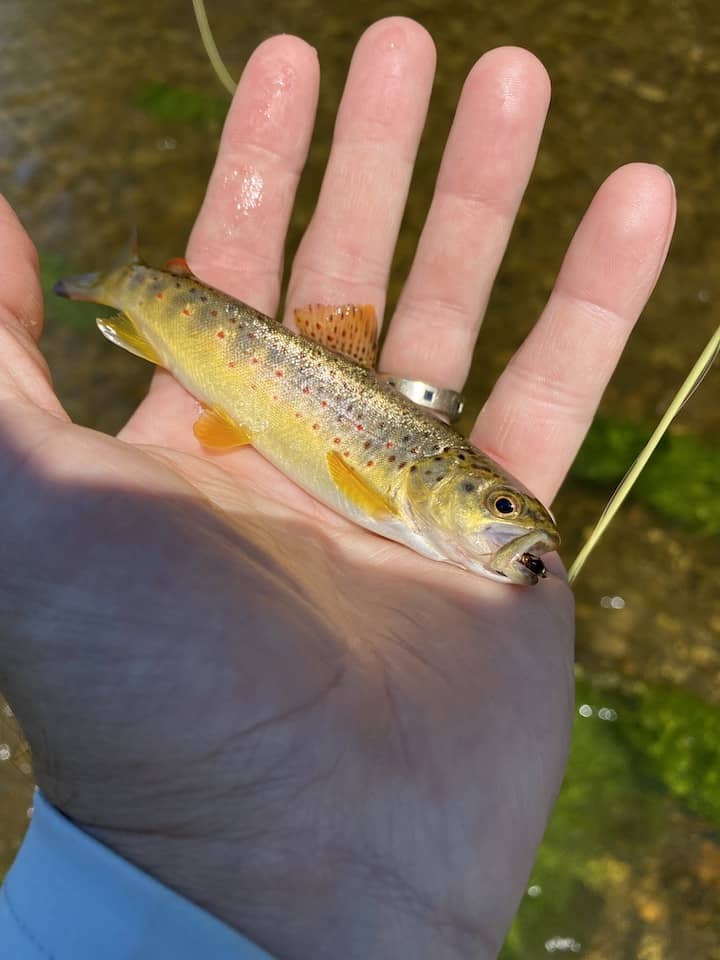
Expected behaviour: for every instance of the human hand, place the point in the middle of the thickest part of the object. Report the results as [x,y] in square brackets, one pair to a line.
[339,747]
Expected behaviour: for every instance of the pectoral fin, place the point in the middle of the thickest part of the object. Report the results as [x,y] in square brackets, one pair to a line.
[120,330]
[355,488]
[348,329]
[214,429]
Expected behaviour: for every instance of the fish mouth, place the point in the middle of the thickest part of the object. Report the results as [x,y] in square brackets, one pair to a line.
[519,559]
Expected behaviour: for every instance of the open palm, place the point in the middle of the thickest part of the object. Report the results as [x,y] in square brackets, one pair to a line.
[341,748]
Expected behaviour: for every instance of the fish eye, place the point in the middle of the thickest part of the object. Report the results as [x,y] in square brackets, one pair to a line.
[504,505]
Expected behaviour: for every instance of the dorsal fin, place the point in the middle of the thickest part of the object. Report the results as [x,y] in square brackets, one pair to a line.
[349,329]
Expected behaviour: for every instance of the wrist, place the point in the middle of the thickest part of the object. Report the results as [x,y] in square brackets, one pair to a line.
[297,906]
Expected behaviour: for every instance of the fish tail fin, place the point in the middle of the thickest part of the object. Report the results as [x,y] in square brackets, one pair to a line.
[97,286]
[85,286]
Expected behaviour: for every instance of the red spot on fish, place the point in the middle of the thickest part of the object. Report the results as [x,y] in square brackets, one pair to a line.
[306,389]
[346,453]
[316,426]
[298,414]
[160,296]
[232,363]
[359,426]
[278,373]
[392,459]
[253,360]
[367,444]
[403,464]
[413,449]
[221,334]
[213,313]
[186,312]
[389,445]
[371,463]
[323,403]
[336,439]
[274,397]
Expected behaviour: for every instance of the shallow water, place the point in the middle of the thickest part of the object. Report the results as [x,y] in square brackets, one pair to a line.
[92,147]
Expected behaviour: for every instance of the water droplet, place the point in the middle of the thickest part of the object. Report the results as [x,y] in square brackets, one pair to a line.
[607,713]
[5,751]
[585,710]
[612,603]
[535,890]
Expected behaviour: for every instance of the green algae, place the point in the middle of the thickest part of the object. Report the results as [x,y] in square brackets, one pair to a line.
[168,102]
[634,756]
[603,812]
[677,739]
[681,482]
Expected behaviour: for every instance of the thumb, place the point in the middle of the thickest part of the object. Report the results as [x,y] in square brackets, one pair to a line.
[24,374]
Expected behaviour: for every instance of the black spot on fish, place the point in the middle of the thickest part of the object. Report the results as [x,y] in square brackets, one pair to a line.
[446,449]
[468,487]
[437,458]
[461,456]
[413,469]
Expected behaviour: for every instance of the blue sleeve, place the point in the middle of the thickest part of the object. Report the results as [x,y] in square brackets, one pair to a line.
[68,897]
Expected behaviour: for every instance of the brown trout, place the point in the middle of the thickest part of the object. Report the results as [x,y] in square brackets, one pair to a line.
[319,413]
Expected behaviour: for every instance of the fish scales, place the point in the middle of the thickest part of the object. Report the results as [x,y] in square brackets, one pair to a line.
[334,427]
[292,394]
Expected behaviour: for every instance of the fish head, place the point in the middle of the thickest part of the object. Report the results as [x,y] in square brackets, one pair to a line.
[472,513]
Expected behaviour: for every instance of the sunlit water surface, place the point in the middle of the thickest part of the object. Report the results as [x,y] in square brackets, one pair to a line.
[92,147]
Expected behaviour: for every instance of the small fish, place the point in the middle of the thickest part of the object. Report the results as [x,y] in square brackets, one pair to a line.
[312,405]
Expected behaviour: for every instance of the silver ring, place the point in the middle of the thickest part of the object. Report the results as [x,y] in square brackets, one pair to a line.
[439,400]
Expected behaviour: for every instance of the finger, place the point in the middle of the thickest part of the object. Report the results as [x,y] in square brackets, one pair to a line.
[239,237]
[24,374]
[542,405]
[485,169]
[238,240]
[347,249]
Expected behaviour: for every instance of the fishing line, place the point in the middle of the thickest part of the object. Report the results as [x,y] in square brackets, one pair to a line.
[688,388]
[221,71]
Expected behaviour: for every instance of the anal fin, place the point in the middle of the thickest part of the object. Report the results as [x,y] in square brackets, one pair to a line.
[348,329]
[357,490]
[215,430]
[120,330]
